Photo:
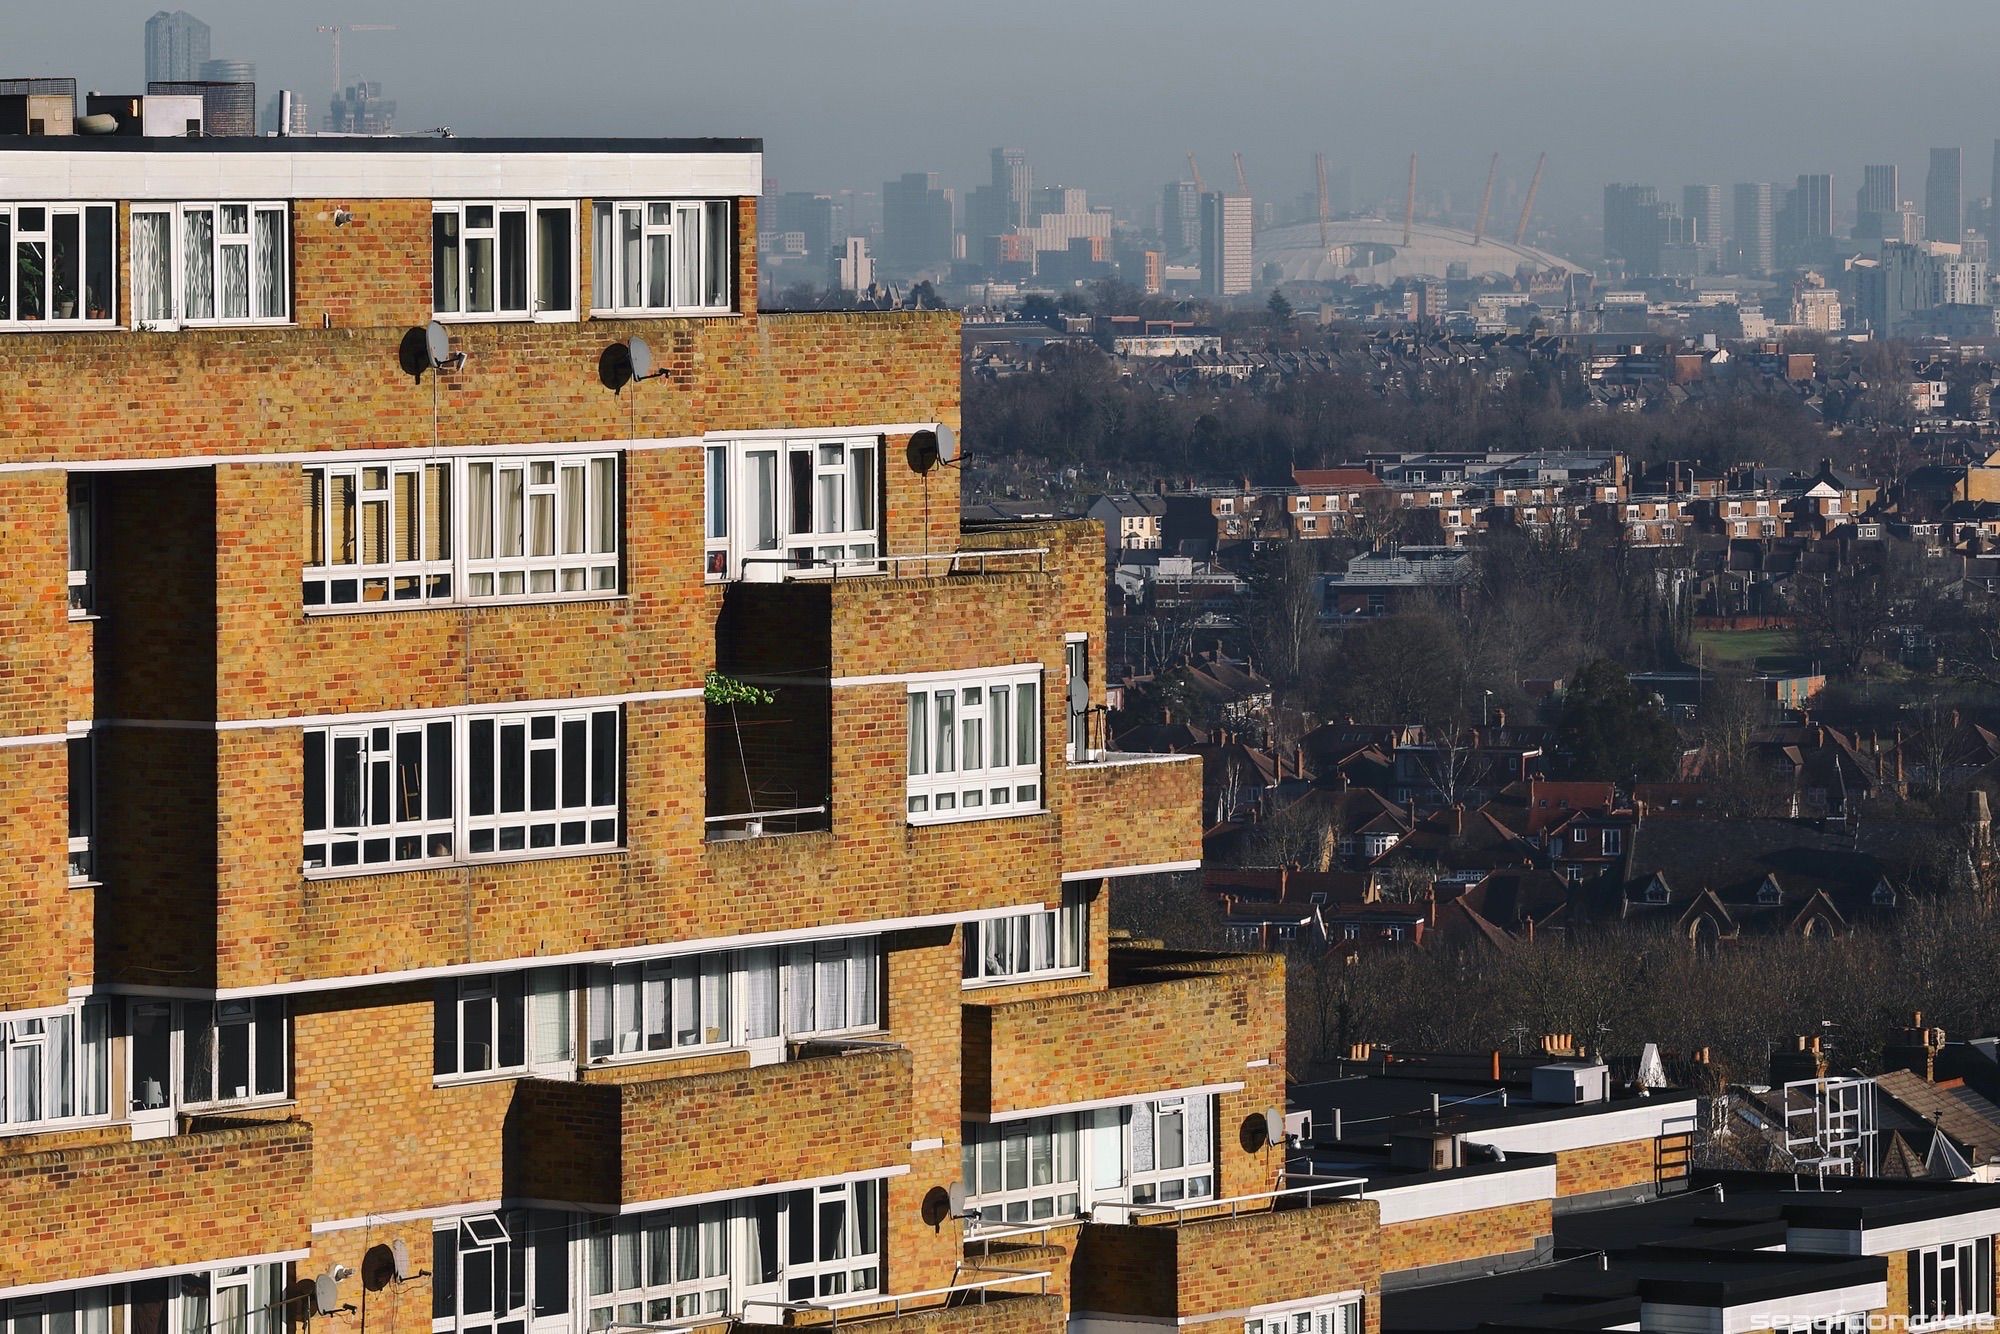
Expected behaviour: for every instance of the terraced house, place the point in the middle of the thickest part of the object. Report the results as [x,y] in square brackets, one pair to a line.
[402,923]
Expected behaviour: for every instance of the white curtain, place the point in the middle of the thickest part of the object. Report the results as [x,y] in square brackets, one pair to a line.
[575,505]
[511,516]
[198,263]
[270,264]
[479,512]
[152,267]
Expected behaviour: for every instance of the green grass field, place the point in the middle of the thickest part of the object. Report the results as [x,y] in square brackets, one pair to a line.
[1742,647]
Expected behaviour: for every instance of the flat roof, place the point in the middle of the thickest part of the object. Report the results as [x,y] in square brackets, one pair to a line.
[364,143]
[1379,1105]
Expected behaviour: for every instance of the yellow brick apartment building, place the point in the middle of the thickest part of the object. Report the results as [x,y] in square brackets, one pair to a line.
[405,930]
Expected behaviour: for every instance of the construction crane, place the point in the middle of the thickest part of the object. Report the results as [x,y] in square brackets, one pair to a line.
[1485,201]
[1195,172]
[1325,213]
[1242,181]
[336,30]
[1410,200]
[1528,204]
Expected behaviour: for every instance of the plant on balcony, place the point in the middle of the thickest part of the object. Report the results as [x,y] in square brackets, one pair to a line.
[720,691]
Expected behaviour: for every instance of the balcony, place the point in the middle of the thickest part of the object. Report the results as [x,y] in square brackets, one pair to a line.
[1167,1021]
[987,1300]
[770,754]
[1196,1263]
[835,1110]
[226,1189]
[1121,812]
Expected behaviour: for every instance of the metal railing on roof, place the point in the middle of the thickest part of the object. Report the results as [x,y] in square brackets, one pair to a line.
[1236,1205]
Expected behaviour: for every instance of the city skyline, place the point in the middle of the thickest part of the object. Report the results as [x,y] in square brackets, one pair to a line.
[1294,79]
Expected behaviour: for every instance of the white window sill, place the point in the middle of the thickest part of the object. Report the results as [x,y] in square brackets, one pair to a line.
[56,326]
[677,313]
[229,1105]
[480,1077]
[508,317]
[1021,979]
[671,1056]
[968,817]
[456,604]
[460,864]
[196,326]
[67,1124]
[87,882]
[85,616]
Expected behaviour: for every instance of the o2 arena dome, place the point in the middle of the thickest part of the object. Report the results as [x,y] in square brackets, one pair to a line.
[1370,251]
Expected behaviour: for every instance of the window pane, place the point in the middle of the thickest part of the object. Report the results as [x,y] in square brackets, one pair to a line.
[802,490]
[198,1051]
[716,267]
[152,267]
[604,758]
[235,282]
[513,767]
[657,249]
[554,264]
[479,274]
[198,264]
[919,735]
[512,511]
[445,245]
[861,491]
[513,260]
[480,762]
[270,267]
[270,1054]
[604,495]
[687,255]
[630,240]
[98,283]
[66,273]
[603,257]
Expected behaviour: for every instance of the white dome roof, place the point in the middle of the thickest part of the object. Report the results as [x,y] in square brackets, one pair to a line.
[1371,251]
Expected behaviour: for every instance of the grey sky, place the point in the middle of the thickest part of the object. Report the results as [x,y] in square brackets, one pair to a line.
[1111,93]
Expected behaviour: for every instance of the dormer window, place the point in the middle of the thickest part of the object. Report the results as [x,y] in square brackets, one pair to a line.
[1769,893]
[1884,896]
[1656,891]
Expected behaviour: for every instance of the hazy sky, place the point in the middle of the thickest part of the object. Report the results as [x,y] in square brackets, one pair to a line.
[1111,93]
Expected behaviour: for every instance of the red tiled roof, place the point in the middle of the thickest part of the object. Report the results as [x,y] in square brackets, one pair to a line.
[1334,479]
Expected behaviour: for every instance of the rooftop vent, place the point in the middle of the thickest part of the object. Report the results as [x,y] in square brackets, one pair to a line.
[1570,1083]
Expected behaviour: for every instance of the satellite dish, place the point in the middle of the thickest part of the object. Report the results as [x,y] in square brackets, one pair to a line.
[947,444]
[437,340]
[1274,1125]
[955,1192]
[642,359]
[399,1255]
[924,451]
[1079,695]
[326,1294]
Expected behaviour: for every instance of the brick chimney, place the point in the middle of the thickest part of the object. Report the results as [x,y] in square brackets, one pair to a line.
[1914,1048]
[1802,1060]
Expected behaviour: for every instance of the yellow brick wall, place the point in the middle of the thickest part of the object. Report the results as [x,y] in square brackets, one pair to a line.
[1629,1163]
[1464,1236]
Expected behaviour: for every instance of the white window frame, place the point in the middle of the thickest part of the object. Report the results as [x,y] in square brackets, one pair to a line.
[248,1023]
[1951,1284]
[770,523]
[82,545]
[563,512]
[1338,1314]
[623,1260]
[534,305]
[500,1244]
[1076,663]
[1000,1164]
[855,1269]
[13,238]
[663,227]
[76,1311]
[1186,1121]
[262,1300]
[177,213]
[81,763]
[403,836]
[938,779]
[30,1045]
[1036,943]
[528,1006]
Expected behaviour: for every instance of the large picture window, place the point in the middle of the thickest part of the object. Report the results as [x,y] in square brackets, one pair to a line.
[206,1053]
[659,1267]
[225,263]
[500,260]
[54,1068]
[1172,1150]
[1340,1315]
[471,787]
[975,747]
[423,532]
[82,1312]
[56,264]
[1023,1171]
[793,508]
[657,257]
[834,1246]
[1952,1283]
[503,1023]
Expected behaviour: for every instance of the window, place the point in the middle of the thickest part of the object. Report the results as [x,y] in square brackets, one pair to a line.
[1076,683]
[834,1241]
[1614,842]
[82,757]
[55,1067]
[1225,507]
[975,748]
[503,1023]
[1023,1171]
[1339,1316]
[233,1051]
[493,1273]
[799,507]
[82,542]
[504,260]
[1952,1282]
[1172,1150]
[468,530]
[87,1311]
[658,1007]
[1039,941]
[243,1300]
[56,264]
[659,1267]
[227,263]
[474,787]
[653,257]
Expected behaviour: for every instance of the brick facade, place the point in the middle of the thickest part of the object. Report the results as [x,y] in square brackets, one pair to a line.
[1459,1237]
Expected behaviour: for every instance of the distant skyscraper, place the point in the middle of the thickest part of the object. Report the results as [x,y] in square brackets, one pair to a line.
[1013,184]
[1703,203]
[223,69]
[286,112]
[176,46]
[360,108]
[1632,227]
[1815,211]
[916,223]
[1754,228]
[1228,225]
[1876,203]
[1180,218]
[808,214]
[1993,196]
[1944,196]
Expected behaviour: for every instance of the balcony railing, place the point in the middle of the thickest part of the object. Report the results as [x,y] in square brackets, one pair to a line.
[760,824]
[973,1293]
[1267,1201]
